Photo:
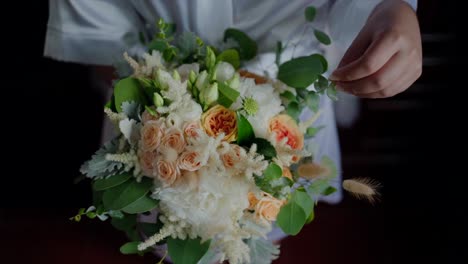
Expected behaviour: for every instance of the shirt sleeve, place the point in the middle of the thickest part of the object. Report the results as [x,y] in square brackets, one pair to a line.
[90,31]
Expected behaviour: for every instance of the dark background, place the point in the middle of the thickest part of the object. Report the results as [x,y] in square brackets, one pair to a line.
[51,124]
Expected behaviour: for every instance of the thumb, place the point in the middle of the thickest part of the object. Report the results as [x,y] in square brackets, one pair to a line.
[355,51]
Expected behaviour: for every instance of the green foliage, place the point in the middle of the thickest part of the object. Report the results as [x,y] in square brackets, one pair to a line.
[322,37]
[295,213]
[112,181]
[265,148]
[227,95]
[300,72]
[231,56]
[246,46]
[293,110]
[310,13]
[312,131]
[127,90]
[245,133]
[312,100]
[125,194]
[99,166]
[188,251]
[144,204]
[130,248]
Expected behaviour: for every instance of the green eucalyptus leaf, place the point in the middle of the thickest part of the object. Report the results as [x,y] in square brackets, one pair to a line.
[231,56]
[293,110]
[130,248]
[312,100]
[187,251]
[144,204]
[290,96]
[300,72]
[126,90]
[322,37]
[112,181]
[312,131]
[310,13]
[265,148]
[124,194]
[332,93]
[247,46]
[291,218]
[227,95]
[273,171]
[245,133]
[304,201]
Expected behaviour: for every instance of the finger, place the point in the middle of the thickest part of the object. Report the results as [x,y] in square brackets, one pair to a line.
[357,48]
[399,86]
[376,56]
[380,80]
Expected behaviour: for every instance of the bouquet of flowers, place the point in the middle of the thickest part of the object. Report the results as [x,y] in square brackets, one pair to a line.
[215,153]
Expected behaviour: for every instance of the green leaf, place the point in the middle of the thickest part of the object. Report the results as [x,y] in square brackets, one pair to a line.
[322,37]
[311,217]
[150,229]
[332,93]
[304,201]
[322,60]
[265,148]
[144,204]
[300,72]
[310,13]
[245,133]
[293,110]
[116,214]
[188,251]
[124,224]
[318,187]
[290,96]
[97,197]
[291,218]
[273,171]
[247,46]
[130,248]
[158,45]
[187,44]
[124,194]
[321,84]
[227,95]
[312,100]
[128,89]
[279,50]
[329,190]
[231,56]
[112,181]
[312,131]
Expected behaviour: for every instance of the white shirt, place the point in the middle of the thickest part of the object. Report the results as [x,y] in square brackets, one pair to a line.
[99,31]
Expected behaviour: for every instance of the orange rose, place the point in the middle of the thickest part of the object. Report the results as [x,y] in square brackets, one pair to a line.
[174,139]
[268,207]
[189,161]
[146,159]
[192,129]
[285,127]
[167,172]
[287,173]
[151,135]
[232,157]
[219,120]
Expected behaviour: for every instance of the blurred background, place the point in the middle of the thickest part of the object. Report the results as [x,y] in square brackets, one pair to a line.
[401,142]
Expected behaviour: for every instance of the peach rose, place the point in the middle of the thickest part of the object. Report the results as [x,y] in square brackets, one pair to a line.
[285,127]
[174,139]
[189,161]
[252,200]
[219,119]
[287,173]
[192,129]
[232,157]
[151,135]
[268,207]
[146,116]
[167,172]
[146,160]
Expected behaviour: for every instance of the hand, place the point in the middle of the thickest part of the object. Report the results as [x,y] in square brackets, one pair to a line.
[386,56]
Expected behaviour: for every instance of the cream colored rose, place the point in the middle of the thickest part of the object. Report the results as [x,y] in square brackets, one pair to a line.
[192,129]
[174,138]
[268,207]
[167,172]
[146,160]
[189,161]
[232,157]
[146,116]
[151,135]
